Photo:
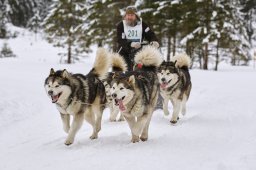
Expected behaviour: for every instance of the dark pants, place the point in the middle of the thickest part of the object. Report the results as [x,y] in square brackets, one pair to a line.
[129,63]
[129,58]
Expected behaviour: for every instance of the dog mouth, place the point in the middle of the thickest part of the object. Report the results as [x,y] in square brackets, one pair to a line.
[164,84]
[120,104]
[55,98]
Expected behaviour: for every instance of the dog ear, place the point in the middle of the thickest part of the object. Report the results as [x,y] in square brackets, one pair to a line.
[131,79]
[52,72]
[115,75]
[175,63]
[65,74]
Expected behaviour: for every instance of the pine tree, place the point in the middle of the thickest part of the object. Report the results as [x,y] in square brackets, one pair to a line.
[102,18]
[34,23]
[21,11]
[6,51]
[63,24]
[3,19]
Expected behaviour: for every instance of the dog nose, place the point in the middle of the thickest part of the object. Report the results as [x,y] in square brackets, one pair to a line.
[163,79]
[50,92]
[114,95]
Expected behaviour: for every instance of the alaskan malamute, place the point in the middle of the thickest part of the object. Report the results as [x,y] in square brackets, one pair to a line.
[81,96]
[118,66]
[175,84]
[136,92]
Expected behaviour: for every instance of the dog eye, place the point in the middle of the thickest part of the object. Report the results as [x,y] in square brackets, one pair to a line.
[57,86]
[113,88]
[168,73]
[121,88]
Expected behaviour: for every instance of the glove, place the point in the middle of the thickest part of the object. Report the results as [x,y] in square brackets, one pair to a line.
[154,44]
[135,45]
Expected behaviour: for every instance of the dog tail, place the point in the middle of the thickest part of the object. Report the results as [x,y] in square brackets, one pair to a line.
[149,56]
[102,63]
[118,63]
[183,60]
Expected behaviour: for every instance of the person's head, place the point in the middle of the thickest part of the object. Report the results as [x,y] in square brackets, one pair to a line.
[131,16]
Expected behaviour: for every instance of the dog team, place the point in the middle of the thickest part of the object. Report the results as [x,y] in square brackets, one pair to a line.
[133,94]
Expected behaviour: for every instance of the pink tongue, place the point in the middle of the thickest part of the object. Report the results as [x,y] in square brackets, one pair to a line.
[55,98]
[121,105]
[163,85]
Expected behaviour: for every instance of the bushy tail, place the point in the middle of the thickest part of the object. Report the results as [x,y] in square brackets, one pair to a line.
[118,63]
[149,56]
[102,63]
[183,60]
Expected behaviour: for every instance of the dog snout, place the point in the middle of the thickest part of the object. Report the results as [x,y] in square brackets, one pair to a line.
[114,95]
[50,92]
[163,79]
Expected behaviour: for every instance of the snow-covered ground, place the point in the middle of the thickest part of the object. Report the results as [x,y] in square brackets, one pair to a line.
[218,132]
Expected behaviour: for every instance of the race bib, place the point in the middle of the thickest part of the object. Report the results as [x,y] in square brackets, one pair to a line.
[133,34]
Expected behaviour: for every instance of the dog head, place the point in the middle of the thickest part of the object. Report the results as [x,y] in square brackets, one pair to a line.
[57,86]
[122,90]
[168,74]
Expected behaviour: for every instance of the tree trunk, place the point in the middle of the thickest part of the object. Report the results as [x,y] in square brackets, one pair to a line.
[168,48]
[69,53]
[217,56]
[174,45]
[205,64]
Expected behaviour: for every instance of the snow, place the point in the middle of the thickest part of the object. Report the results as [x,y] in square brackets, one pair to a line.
[218,132]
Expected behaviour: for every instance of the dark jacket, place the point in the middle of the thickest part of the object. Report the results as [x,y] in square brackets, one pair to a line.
[126,50]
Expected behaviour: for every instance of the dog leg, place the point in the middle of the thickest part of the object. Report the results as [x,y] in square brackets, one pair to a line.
[183,107]
[121,118]
[144,135]
[165,106]
[90,118]
[98,111]
[76,125]
[113,113]
[65,121]
[176,110]
[131,122]
[140,125]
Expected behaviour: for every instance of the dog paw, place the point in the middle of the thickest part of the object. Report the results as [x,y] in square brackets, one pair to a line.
[173,121]
[135,139]
[94,136]
[112,119]
[121,119]
[143,139]
[69,142]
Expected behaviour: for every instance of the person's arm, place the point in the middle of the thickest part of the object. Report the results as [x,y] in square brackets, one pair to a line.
[149,34]
[121,40]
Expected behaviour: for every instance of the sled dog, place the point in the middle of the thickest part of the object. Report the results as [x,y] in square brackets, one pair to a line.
[81,96]
[118,66]
[175,84]
[136,92]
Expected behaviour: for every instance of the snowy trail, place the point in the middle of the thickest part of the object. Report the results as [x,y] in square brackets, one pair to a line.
[218,131]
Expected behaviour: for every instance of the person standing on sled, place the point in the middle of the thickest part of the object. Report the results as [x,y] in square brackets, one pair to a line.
[131,34]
